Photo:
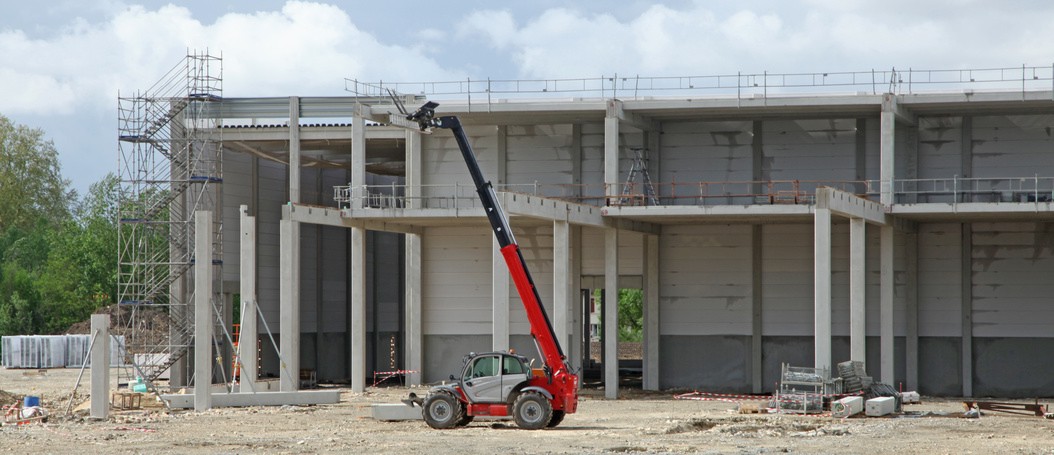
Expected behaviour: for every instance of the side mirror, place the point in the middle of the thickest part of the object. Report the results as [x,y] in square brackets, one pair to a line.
[452,377]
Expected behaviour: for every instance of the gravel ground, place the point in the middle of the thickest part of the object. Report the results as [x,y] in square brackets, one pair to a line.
[638,422]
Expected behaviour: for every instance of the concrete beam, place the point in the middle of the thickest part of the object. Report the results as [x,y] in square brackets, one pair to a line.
[203,322]
[616,109]
[331,216]
[247,288]
[228,400]
[100,366]
[849,205]
[822,289]
[891,103]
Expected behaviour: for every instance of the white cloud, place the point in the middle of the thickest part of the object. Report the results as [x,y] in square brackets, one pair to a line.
[304,49]
[808,35]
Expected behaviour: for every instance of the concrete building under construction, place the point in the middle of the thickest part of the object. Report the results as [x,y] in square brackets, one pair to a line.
[901,219]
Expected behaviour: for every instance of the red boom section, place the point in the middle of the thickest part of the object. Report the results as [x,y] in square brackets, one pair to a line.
[564,385]
[540,328]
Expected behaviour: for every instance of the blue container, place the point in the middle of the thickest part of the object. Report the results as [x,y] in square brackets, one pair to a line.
[30,401]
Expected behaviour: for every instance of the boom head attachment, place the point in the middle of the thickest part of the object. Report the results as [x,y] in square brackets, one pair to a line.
[424,115]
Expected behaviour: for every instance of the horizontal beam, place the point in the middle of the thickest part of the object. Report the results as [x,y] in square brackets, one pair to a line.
[851,206]
[332,216]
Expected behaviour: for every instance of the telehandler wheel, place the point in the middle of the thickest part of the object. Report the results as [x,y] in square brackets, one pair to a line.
[532,411]
[558,416]
[442,411]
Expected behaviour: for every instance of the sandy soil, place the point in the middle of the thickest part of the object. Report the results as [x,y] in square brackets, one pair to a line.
[636,423]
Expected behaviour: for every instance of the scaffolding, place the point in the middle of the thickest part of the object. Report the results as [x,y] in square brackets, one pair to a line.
[170,167]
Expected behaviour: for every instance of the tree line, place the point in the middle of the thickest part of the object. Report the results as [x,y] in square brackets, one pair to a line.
[58,249]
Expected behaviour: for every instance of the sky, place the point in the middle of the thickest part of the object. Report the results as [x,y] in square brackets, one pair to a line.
[65,62]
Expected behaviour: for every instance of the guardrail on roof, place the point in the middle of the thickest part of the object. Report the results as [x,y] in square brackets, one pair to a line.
[740,85]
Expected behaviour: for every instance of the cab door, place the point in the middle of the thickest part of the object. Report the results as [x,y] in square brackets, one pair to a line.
[482,380]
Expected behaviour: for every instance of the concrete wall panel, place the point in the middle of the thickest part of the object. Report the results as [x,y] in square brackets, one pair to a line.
[710,363]
[456,281]
[706,280]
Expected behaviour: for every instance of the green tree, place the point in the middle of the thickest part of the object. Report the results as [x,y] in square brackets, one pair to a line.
[81,270]
[630,313]
[31,183]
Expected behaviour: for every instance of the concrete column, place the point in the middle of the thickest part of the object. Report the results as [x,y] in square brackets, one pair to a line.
[610,322]
[611,152]
[576,159]
[499,298]
[294,149]
[757,162]
[100,366]
[358,159]
[967,308]
[857,289]
[911,342]
[501,159]
[358,310]
[203,325]
[289,304]
[822,292]
[651,313]
[562,292]
[413,169]
[247,282]
[578,334]
[414,356]
[886,304]
[756,310]
[886,151]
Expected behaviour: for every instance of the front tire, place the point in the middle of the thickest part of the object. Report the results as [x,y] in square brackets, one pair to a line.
[442,411]
[558,416]
[532,411]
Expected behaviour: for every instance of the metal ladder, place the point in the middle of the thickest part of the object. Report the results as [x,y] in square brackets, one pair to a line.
[640,165]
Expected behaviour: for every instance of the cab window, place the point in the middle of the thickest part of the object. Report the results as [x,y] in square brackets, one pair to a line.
[512,365]
[482,367]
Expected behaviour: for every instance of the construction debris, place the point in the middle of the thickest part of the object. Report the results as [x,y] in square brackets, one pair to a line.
[847,407]
[1034,409]
[880,406]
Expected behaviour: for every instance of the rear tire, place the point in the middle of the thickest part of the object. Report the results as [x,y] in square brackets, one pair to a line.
[558,416]
[442,411]
[532,411]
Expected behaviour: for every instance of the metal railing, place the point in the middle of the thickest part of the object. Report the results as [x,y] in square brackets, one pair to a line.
[708,193]
[463,196]
[740,85]
[986,189]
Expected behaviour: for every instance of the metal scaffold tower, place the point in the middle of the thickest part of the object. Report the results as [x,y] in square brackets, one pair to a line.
[170,166]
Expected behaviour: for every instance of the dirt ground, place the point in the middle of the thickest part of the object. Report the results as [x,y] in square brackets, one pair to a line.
[638,422]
